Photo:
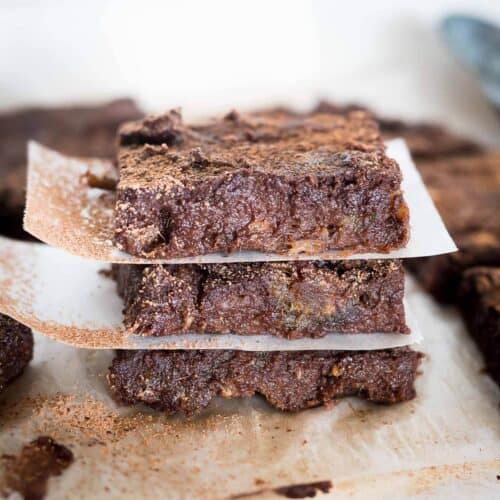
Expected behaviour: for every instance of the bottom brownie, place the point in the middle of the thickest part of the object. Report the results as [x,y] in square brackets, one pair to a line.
[480,306]
[16,349]
[186,381]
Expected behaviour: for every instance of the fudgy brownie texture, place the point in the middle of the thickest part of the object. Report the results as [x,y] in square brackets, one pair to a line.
[186,381]
[466,191]
[271,183]
[286,299]
[87,131]
[479,302]
[16,349]
[424,140]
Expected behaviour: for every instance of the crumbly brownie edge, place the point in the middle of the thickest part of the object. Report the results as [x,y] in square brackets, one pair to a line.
[16,349]
[186,381]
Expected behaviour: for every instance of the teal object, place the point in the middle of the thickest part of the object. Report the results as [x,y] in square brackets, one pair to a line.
[476,44]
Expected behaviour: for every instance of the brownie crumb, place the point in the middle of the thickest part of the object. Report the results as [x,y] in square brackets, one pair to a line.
[306,490]
[302,490]
[28,473]
[159,129]
[107,273]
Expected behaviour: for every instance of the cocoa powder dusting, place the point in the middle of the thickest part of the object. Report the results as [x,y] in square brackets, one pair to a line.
[29,472]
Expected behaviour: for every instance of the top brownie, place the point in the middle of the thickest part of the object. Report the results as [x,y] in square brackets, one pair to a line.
[272,182]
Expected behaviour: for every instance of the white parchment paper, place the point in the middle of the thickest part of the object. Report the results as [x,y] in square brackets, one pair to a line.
[63,211]
[68,299]
[443,445]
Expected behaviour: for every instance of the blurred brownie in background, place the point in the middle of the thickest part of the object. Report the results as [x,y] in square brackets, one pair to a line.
[87,131]
[466,191]
[424,140]
[479,301]
[16,349]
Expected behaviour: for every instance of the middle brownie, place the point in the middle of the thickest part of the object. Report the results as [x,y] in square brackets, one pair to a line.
[286,299]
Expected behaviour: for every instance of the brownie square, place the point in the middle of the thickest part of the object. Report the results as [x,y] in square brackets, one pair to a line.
[466,191]
[479,302]
[186,381]
[286,299]
[87,131]
[271,183]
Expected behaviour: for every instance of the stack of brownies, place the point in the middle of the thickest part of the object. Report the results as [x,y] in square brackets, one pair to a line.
[267,183]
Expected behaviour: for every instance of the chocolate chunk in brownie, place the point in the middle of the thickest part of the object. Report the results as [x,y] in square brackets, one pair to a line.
[87,131]
[186,381]
[424,140]
[285,299]
[466,191]
[479,302]
[269,183]
[16,349]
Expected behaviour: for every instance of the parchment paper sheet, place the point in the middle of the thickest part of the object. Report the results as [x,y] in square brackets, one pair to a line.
[63,211]
[445,444]
[66,298]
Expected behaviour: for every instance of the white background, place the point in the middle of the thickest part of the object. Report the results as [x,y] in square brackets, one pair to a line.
[208,56]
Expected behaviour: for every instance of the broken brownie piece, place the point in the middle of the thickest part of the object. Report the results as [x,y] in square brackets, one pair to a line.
[267,183]
[186,381]
[16,349]
[88,131]
[479,302]
[466,193]
[286,299]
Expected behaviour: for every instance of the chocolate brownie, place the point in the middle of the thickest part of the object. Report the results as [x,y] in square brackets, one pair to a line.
[441,275]
[267,183]
[286,299]
[466,191]
[16,349]
[479,300]
[424,140]
[186,381]
[88,131]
